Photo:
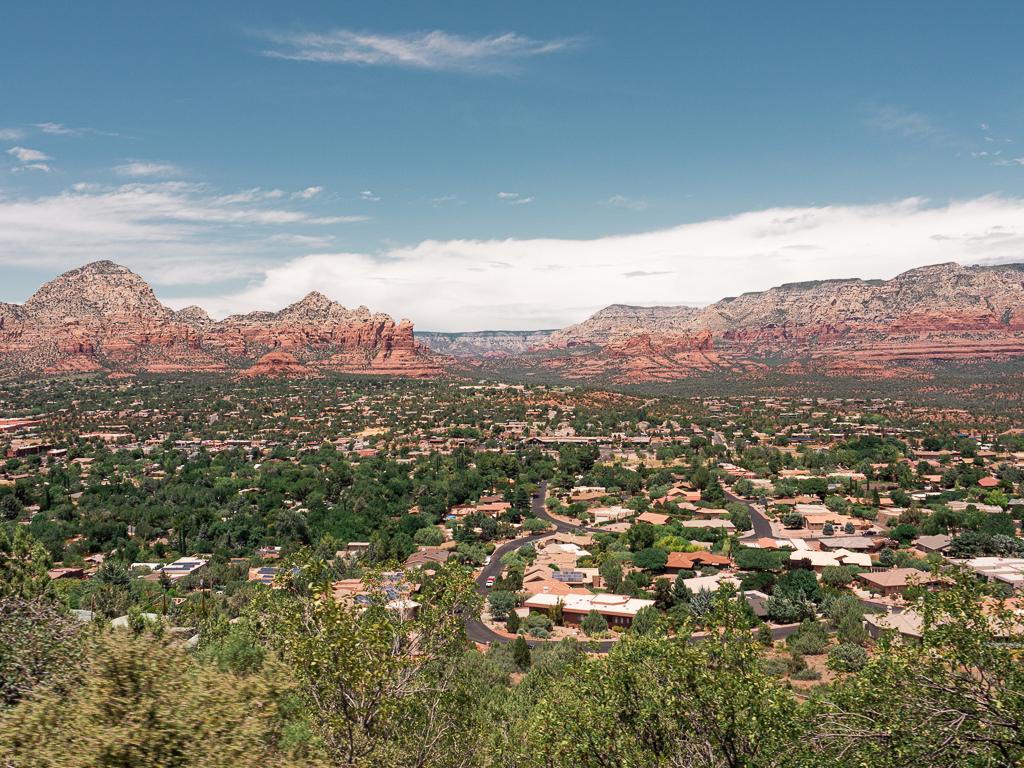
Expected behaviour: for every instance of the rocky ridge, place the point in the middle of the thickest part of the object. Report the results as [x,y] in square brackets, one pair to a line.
[944,311]
[619,322]
[103,317]
[495,344]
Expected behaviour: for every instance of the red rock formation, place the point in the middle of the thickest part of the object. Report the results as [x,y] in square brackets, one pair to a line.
[277,365]
[104,317]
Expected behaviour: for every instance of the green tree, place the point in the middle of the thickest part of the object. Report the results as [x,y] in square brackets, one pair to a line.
[651,559]
[155,706]
[380,685]
[611,572]
[521,653]
[501,603]
[646,621]
[431,536]
[665,703]
[513,623]
[663,596]
[24,566]
[594,623]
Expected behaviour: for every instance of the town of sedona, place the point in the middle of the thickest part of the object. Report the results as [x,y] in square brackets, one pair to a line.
[512,385]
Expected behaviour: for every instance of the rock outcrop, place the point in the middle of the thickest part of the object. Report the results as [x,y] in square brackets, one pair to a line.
[496,344]
[619,322]
[277,365]
[104,317]
[939,312]
[642,358]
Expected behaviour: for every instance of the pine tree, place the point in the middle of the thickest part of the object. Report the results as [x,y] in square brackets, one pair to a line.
[828,530]
[512,623]
[521,653]
[848,528]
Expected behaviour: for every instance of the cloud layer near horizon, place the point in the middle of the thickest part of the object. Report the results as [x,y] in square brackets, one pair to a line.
[467,285]
[178,234]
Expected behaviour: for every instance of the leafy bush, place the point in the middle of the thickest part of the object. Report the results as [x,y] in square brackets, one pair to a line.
[807,674]
[847,657]
[538,632]
[537,620]
[775,667]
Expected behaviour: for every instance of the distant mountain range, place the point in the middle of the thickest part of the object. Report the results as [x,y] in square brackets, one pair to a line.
[103,317]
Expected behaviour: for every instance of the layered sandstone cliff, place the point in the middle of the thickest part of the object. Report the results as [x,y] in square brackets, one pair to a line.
[104,317]
[944,311]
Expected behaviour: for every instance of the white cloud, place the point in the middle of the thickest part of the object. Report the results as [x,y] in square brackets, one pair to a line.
[1016,161]
[11,134]
[138,169]
[368,195]
[546,283]
[522,201]
[424,50]
[906,124]
[621,201]
[28,155]
[983,126]
[55,128]
[307,193]
[174,232]
[59,129]
[32,166]
[508,194]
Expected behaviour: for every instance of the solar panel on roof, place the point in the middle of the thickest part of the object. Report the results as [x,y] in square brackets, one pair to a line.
[568,577]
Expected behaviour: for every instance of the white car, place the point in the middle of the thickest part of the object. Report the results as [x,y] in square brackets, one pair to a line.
[487,560]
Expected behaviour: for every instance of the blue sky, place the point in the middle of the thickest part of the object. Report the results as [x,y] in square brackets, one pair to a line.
[518,165]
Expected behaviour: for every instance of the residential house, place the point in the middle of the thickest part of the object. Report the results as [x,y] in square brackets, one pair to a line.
[694,561]
[895,581]
[428,556]
[617,610]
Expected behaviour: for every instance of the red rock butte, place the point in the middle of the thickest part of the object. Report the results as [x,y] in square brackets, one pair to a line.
[277,365]
[103,317]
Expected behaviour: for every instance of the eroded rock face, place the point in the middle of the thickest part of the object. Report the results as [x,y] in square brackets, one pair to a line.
[944,311]
[620,322]
[277,365]
[104,317]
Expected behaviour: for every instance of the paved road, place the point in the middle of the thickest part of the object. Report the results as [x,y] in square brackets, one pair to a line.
[762,526]
[478,632]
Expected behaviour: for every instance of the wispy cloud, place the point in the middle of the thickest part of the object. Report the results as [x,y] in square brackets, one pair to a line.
[55,128]
[641,273]
[59,129]
[620,201]
[522,201]
[28,155]
[507,283]
[905,123]
[423,50]
[30,159]
[368,195]
[1016,161]
[182,232]
[139,169]
[11,134]
[307,193]
[504,195]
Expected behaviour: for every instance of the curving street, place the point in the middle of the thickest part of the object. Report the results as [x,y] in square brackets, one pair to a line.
[479,633]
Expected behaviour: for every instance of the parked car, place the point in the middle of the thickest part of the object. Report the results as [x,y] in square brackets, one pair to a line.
[487,560]
[490,581]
